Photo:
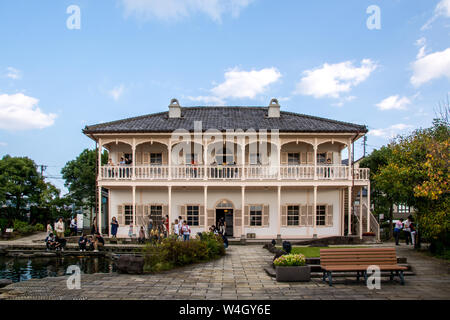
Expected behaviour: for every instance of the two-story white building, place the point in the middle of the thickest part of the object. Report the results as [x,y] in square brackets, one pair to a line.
[268,172]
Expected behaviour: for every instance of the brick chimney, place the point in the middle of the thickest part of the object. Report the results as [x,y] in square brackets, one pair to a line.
[174,109]
[274,109]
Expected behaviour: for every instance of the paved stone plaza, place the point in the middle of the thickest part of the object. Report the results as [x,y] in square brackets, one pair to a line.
[239,275]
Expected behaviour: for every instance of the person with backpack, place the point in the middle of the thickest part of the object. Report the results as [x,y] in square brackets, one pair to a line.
[185,231]
[397,229]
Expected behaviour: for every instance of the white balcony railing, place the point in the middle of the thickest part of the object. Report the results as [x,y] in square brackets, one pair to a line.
[234,172]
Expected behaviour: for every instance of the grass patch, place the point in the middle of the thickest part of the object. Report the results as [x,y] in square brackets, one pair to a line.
[314,252]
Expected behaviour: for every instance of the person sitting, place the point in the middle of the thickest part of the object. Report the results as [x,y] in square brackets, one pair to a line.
[99,242]
[225,240]
[82,242]
[90,243]
[60,243]
[50,242]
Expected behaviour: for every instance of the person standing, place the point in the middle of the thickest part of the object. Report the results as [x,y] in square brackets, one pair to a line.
[73,226]
[60,228]
[176,228]
[49,228]
[397,229]
[407,230]
[185,231]
[131,231]
[94,228]
[150,225]
[166,225]
[114,227]
[141,235]
[413,232]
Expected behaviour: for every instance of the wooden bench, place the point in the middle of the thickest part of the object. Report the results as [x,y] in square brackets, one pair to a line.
[358,260]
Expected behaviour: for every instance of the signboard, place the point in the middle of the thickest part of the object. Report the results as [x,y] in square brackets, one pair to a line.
[80,222]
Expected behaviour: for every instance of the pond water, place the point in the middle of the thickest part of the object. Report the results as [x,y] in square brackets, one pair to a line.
[22,269]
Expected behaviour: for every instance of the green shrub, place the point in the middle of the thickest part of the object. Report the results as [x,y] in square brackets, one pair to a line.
[39,227]
[172,253]
[22,227]
[289,260]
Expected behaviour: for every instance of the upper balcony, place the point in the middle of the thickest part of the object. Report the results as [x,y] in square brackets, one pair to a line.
[232,172]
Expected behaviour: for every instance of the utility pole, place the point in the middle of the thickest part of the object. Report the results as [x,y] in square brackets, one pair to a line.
[364,144]
[43,167]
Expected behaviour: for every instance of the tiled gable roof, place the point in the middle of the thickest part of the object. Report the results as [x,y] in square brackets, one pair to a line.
[223,118]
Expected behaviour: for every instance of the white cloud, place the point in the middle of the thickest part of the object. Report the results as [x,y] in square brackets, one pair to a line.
[13,73]
[177,9]
[331,80]
[3,144]
[241,84]
[207,99]
[20,112]
[442,10]
[432,66]
[391,131]
[117,92]
[394,102]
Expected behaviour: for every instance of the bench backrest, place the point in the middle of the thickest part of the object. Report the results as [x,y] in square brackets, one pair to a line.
[358,256]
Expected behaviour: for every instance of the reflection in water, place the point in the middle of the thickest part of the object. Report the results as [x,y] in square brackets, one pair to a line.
[20,269]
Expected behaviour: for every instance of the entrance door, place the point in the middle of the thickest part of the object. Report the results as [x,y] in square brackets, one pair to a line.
[226,214]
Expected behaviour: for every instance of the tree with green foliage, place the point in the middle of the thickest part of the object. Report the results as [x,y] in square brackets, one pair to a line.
[20,183]
[80,178]
[413,169]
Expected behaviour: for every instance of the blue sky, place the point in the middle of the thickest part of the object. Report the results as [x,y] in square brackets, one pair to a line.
[130,57]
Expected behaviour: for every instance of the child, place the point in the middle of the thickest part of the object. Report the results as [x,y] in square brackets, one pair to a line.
[130,231]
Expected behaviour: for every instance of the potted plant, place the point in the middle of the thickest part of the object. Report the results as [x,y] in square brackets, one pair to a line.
[292,267]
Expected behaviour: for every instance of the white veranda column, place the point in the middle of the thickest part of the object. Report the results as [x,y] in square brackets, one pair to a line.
[134,208]
[205,206]
[360,212]
[242,211]
[279,213]
[349,210]
[368,207]
[315,212]
[169,207]
[99,215]
[350,173]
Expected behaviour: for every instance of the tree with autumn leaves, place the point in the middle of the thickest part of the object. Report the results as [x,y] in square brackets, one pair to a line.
[413,170]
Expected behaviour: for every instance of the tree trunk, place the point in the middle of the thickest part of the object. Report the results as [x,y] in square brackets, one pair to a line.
[391,223]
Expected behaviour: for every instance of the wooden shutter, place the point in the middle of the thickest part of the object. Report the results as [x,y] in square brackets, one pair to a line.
[139,214]
[310,215]
[183,212]
[265,217]
[310,158]
[284,216]
[329,156]
[164,210]
[303,216]
[247,216]
[138,159]
[238,218]
[303,158]
[145,158]
[163,158]
[329,216]
[211,217]
[120,214]
[284,157]
[201,216]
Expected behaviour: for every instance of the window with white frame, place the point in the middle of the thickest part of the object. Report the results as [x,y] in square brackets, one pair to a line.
[128,214]
[293,158]
[403,209]
[192,215]
[320,215]
[156,214]
[321,158]
[293,215]
[255,158]
[155,158]
[256,215]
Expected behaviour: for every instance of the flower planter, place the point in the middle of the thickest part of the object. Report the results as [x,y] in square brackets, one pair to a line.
[291,274]
[369,239]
